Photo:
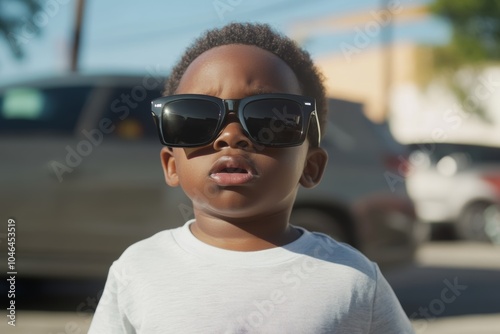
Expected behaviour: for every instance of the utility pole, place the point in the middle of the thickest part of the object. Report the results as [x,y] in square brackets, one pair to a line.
[77,32]
[386,47]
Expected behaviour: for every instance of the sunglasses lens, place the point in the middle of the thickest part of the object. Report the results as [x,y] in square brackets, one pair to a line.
[274,122]
[190,122]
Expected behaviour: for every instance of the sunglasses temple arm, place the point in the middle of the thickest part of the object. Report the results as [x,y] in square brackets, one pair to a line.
[158,128]
[316,118]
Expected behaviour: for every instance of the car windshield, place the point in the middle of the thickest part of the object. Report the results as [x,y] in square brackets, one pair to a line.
[54,110]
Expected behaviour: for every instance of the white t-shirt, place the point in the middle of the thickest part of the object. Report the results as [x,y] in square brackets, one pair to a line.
[174,283]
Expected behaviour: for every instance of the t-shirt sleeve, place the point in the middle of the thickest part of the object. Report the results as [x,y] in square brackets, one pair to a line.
[109,317]
[387,314]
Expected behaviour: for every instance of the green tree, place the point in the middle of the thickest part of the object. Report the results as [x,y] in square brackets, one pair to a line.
[476,32]
[474,44]
[17,25]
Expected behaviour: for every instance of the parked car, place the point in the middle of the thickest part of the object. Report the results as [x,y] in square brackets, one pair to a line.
[82,178]
[457,184]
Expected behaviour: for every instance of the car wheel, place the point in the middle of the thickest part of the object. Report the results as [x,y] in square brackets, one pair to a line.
[316,220]
[492,227]
[480,222]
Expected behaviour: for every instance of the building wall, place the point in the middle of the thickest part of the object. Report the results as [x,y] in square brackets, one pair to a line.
[368,76]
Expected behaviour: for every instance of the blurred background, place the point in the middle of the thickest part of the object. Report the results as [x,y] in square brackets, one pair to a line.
[413,138]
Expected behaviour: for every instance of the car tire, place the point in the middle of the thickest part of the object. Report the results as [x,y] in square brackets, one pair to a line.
[474,222]
[317,220]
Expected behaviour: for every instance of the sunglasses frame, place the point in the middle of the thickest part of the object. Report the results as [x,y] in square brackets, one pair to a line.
[237,106]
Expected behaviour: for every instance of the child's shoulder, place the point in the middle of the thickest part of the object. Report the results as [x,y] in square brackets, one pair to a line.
[173,248]
[338,254]
[157,245]
[145,256]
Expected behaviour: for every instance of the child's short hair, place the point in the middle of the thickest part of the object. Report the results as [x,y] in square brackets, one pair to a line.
[264,37]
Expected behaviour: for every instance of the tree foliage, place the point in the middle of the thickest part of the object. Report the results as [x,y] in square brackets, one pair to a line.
[16,15]
[476,32]
[474,44]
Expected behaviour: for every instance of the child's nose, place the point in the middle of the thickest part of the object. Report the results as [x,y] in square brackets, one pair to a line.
[232,136]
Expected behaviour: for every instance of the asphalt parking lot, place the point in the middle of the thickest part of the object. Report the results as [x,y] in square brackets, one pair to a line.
[453,287]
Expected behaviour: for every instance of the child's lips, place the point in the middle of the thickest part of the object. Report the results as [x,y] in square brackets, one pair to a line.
[233,170]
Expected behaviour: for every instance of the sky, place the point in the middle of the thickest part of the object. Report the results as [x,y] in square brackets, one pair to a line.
[131,36]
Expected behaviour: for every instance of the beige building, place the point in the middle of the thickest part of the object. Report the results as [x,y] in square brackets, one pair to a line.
[385,79]
[364,77]
[364,71]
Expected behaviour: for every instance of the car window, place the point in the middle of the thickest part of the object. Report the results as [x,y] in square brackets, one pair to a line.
[476,153]
[482,154]
[28,109]
[389,142]
[131,113]
[350,136]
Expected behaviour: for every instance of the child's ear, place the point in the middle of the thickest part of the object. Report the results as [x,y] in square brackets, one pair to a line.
[169,167]
[314,167]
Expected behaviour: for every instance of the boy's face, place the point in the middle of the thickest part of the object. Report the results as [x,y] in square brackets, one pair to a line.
[233,177]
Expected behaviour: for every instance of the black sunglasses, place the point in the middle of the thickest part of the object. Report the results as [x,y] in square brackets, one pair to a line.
[272,120]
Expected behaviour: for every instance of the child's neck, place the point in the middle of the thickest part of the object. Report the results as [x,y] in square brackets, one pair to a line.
[245,235]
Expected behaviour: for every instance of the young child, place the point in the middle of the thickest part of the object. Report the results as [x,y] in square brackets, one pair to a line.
[241,121]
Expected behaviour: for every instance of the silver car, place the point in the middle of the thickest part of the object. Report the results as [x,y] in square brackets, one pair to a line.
[457,184]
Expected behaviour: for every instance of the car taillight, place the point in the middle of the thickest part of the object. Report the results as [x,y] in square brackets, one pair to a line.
[493,180]
[398,164]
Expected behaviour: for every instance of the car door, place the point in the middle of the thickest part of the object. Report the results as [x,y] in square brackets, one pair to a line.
[118,195]
[37,122]
[81,174]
